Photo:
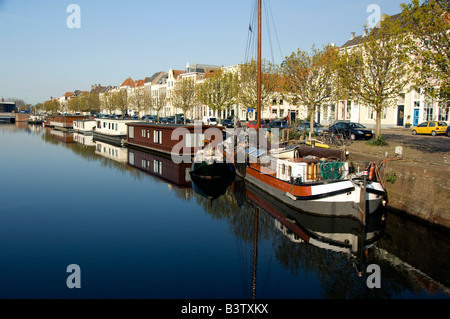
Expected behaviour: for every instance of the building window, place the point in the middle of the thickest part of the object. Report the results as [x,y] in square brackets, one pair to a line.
[369,112]
[428,111]
[443,112]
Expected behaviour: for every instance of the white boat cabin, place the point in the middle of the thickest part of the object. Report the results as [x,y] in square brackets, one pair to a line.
[84,125]
[112,127]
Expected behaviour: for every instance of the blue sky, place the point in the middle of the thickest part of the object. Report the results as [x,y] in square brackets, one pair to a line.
[41,57]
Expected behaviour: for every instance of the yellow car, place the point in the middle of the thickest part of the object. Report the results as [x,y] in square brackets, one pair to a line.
[430,127]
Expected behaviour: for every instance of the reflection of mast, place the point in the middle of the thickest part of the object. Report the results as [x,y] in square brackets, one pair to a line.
[255,253]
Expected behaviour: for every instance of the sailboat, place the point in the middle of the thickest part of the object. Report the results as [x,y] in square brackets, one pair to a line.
[311,179]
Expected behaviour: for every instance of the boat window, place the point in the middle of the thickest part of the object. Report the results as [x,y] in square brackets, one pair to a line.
[290,171]
[131,131]
[283,169]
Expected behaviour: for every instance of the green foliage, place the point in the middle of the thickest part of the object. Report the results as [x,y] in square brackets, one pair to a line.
[391,178]
[378,141]
[428,23]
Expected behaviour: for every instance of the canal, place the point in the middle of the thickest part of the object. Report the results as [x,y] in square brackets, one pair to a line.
[137,227]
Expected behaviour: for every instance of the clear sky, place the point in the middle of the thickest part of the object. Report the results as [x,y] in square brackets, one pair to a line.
[40,56]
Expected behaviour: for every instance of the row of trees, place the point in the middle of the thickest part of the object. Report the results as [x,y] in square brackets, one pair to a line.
[407,51]
[410,51]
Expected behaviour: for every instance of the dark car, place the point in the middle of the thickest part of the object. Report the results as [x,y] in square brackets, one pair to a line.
[352,130]
[180,120]
[304,127]
[227,123]
[278,124]
[447,132]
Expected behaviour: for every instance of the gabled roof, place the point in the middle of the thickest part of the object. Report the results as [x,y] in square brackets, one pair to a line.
[128,82]
[154,78]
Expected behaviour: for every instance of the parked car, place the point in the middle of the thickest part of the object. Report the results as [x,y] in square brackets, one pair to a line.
[227,123]
[431,127]
[252,124]
[209,120]
[352,130]
[447,132]
[304,127]
[163,120]
[180,120]
[278,124]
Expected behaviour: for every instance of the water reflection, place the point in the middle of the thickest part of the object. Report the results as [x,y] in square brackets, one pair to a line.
[240,236]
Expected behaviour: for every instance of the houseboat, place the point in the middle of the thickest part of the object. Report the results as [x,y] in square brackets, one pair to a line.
[180,141]
[160,166]
[315,180]
[62,122]
[85,126]
[111,130]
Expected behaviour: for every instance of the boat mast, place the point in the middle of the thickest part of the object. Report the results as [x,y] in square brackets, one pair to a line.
[258,108]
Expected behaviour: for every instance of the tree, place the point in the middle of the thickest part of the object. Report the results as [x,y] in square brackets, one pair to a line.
[119,101]
[107,102]
[159,101]
[183,95]
[378,70]
[51,106]
[219,92]
[247,81]
[429,26]
[307,78]
[140,100]
[74,104]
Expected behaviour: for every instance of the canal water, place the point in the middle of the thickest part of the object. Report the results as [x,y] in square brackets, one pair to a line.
[136,226]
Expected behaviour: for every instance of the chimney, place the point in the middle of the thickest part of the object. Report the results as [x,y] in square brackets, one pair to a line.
[353,35]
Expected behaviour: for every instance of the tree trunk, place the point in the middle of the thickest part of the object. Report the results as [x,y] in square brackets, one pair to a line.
[378,128]
[312,115]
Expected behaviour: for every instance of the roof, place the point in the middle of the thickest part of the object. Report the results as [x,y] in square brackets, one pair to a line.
[139,83]
[355,40]
[154,78]
[128,82]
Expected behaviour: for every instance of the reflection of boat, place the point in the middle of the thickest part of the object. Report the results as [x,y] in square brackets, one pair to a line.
[211,188]
[345,235]
[66,137]
[115,153]
[160,166]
